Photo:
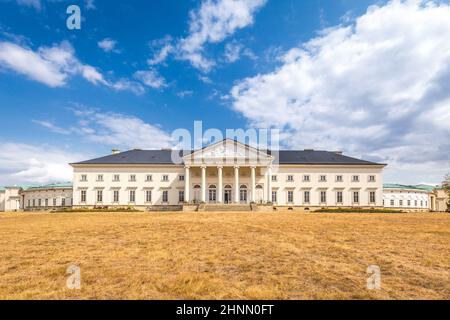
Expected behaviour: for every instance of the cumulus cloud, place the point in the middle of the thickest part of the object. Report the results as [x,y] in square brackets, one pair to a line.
[51,66]
[35,164]
[232,51]
[213,22]
[112,129]
[378,87]
[151,78]
[107,45]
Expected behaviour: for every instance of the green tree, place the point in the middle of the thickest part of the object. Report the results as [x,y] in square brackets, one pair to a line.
[446,186]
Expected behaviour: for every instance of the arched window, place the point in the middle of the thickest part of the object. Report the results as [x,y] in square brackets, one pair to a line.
[228,186]
[259,186]
[212,187]
[197,187]
[243,186]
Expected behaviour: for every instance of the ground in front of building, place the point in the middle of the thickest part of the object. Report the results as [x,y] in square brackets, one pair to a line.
[224,255]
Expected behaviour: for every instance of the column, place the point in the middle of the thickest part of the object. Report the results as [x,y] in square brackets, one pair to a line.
[253,198]
[236,184]
[220,185]
[269,184]
[187,184]
[203,184]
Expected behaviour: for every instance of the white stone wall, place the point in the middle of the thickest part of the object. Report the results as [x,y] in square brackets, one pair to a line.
[125,185]
[174,185]
[40,199]
[406,199]
[10,199]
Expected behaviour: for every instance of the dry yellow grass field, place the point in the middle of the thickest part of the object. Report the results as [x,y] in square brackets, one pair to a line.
[224,255]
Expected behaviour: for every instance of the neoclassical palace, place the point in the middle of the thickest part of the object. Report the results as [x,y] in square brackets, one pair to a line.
[227,173]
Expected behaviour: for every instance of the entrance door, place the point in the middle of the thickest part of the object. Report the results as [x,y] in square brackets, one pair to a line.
[227,197]
[259,194]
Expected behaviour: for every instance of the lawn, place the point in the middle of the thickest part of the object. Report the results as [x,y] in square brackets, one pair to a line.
[224,256]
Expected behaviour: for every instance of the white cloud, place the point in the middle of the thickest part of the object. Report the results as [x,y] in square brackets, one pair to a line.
[107,44]
[35,164]
[112,129]
[232,51]
[151,78]
[213,22]
[128,85]
[161,48]
[378,88]
[49,65]
[30,3]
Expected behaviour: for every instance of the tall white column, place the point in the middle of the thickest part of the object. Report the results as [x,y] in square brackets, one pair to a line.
[203,184]
[236,184]
[269,184]
[253,169]
[187,184]
[220,185]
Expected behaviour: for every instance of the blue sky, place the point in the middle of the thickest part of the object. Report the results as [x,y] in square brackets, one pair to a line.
[329,74]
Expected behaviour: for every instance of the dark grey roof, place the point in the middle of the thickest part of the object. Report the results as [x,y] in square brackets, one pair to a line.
[284,157]
[316,157]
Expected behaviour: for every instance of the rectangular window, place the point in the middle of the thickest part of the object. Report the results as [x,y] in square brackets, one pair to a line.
[82,197]
[212,195]
[274,178]
[181,196]
[34,202]
[116,178]
[46,202]
[99,178]
[421,203]
[83,177]
[392,203]
[372,197]
[339,178]
[409,203]
[306,178]
[355,178]
[290,178]
[415,203]
[54,202]
[99,195]
[29,203]
[148,196]
[290,196]
[149,178]
[165,178]
[39,202]
[181,178]
[323,178]
[401,203]
[63,202]
[306,197]
[274,197]
[371,178]
[116,196]
[339,197]
[165,196]
[356,197]
[133,178]
[132,196]
[323,197]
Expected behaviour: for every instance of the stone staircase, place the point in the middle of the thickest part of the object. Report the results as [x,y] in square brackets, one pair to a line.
[224,207]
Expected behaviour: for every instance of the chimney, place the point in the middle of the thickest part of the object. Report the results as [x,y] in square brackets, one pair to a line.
[115,151]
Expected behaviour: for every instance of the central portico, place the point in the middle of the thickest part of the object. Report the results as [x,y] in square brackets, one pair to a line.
[228,172]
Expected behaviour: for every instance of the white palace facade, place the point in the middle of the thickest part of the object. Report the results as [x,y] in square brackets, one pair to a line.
[227,173]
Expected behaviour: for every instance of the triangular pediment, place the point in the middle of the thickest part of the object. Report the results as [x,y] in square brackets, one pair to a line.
[228,152]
